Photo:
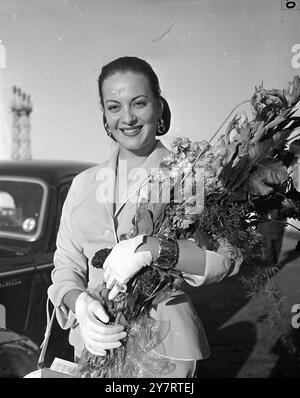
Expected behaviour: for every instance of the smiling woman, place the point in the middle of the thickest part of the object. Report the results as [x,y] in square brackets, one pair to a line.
[132,104]
[134,114]
[131,111]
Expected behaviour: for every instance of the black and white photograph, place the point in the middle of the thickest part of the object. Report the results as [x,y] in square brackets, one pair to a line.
[150,192]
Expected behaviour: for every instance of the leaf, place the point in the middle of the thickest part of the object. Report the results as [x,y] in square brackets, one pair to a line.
[240,178]
[258,150]
[259,133]
[237,196]
[293,92]
[232,124]
[275,122]
[283,122]
[290,122]
[202,239]
[131,300]
[295,147]
[231,152]
[279,139]
[269,173]
[257,187]
[143,220]
[232,177]
[287,158]
[245,132]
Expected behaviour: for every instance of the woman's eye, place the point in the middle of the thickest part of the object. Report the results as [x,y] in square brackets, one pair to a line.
[140,104]
[113,108]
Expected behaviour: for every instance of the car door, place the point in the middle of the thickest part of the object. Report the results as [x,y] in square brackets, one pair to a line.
[23,201]
[58,345]
[36,322]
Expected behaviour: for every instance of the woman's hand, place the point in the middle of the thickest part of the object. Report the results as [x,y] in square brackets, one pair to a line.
[92,318]
[123,262]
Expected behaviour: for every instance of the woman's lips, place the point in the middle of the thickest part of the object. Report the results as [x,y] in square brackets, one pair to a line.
[132,131]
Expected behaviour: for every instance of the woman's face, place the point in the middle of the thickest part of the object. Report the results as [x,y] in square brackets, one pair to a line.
[131,111]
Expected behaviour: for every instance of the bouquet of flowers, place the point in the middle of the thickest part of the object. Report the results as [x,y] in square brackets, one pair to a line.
[218,194]
[247,172]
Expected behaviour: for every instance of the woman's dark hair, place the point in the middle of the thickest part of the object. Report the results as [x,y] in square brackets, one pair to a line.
[136,65]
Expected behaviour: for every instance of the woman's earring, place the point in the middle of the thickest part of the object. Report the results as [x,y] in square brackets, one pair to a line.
[107,129]
[161,128]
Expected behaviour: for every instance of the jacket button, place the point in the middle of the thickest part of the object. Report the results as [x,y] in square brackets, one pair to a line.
[107,232]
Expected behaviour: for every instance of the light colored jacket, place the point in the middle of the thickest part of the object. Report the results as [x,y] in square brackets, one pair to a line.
[89,224]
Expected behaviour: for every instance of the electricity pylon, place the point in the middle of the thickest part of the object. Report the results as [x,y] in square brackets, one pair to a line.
[21,127]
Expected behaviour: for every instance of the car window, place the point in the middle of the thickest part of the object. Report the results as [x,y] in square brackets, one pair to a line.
[22,206]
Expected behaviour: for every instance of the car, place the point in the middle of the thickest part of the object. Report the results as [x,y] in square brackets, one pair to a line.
[32,194]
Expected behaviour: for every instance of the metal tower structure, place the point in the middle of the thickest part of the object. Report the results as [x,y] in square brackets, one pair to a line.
[21,127]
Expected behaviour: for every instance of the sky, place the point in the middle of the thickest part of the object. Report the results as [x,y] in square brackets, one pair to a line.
[208,54]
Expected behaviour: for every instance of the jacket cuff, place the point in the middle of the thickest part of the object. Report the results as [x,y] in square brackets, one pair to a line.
[65,317]
[215,270]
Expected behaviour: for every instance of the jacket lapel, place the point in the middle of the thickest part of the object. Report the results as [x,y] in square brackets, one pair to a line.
[107,175]
[141,174]
[107,182]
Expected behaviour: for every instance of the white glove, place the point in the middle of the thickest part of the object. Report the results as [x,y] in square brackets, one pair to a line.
[122,263]
[92,318]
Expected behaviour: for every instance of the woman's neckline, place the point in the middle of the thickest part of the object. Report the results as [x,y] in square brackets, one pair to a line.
[133,160]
